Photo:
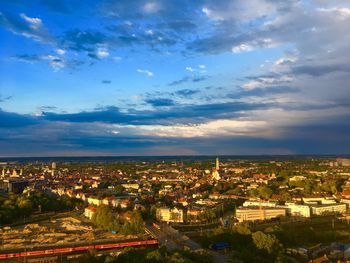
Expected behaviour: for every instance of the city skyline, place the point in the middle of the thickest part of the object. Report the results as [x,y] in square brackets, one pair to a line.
[81,78]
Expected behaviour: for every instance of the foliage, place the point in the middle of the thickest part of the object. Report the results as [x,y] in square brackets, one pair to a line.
[135,225]
[149,255]
[265,192]
[267,242]
[105,218]
[14,207]
[246,245]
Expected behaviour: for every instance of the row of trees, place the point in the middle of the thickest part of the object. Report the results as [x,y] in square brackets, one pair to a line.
[248,246]
[14,207]
[149,255]
[106,218]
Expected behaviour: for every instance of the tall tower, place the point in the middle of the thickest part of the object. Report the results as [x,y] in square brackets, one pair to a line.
[217,164]
[53,168]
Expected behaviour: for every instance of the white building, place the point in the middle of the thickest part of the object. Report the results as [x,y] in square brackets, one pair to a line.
[94,201]
[170,215]
[345,201]
[296,178]
[89,211]
[131,186]
[298,210]
[256,213]
[322,200]
[259,203]
[328,209]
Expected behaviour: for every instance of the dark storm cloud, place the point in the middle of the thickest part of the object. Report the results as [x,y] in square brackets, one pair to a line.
[180,81]
[19,25]
[27,57]
[122,35]
[5,98]
[219,43]
[320,70]
[115,36]
[186,93]
[160,102]
[14,120]
[83,40]
[188,79]
[302,139]
[261,92]
[178,113]
[53,60]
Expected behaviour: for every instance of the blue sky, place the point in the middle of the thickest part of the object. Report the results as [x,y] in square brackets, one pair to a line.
[161,77]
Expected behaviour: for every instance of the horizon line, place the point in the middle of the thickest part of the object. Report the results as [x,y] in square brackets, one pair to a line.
[176,155]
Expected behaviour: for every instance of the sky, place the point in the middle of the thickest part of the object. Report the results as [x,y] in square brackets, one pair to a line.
[174,77]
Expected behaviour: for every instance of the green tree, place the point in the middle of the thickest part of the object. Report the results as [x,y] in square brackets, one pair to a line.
[242,229]
[265,192]
[135,225]
[25,205]
[105,218]
[266,242]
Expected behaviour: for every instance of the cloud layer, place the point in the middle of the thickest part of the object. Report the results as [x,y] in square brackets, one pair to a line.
[191,96]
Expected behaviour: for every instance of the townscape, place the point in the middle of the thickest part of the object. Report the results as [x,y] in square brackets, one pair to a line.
[175,131]
[216,209]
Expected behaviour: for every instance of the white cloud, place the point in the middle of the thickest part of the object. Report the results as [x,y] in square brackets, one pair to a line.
[209,13]
[149,32]
[343,12]
[146,72]
[239,10]
[267,81]
[55,62]
[209,129]
[60,51]
[102,52]
[151,7]
[117,59]
[242,48]
[190,69]
[35,23]
[268,43]
[34,29]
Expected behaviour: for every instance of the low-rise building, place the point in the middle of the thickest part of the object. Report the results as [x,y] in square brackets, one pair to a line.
[259,203]
[258,213]
[294,209]
[166,214]
[328,209]
[94,201]
[89,211]
[131,186]
[297,178]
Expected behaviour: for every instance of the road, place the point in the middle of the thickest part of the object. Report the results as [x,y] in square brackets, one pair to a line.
[173,239]
[162,237]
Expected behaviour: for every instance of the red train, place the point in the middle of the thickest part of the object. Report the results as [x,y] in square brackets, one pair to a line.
[80,248]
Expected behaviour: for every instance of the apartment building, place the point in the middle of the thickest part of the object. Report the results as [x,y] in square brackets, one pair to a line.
[258,213]
[170,215]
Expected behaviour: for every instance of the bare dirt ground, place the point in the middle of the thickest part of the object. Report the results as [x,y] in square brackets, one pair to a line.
[52,231]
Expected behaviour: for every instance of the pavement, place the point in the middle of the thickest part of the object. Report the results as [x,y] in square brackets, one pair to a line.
[173,239]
